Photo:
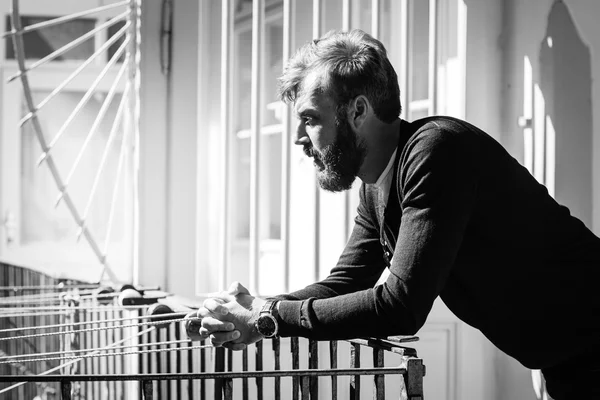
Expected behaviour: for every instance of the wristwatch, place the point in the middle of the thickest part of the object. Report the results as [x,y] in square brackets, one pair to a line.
[266,323]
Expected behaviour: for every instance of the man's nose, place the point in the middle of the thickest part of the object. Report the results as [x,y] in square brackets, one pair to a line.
[301,136]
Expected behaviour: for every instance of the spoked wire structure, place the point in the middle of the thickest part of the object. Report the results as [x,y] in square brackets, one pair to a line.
[115,62]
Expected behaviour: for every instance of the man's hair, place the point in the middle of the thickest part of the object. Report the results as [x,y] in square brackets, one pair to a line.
[349,64]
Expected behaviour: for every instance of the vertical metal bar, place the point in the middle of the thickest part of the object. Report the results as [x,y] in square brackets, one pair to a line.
[346,15]
[258,10]
[277,354]
[147,389]
[375,18]
[404,52]
[305,387]
[316,33]
[295,348]
[346,23]
[228,388]
[178,360]
[65,390]
[226,98]
[259,367]
[313,363]
[333,347]
[219,366]
[432,72]
[245,368]
[285,151]
[415,371]
[134,78]
[355,379]
[379,381]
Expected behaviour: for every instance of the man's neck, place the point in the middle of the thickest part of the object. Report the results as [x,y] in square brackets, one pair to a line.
[385,139]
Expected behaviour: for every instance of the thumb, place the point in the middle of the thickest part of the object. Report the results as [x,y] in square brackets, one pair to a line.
[237,288]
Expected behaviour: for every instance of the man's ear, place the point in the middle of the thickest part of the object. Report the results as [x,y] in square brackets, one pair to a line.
[358,111]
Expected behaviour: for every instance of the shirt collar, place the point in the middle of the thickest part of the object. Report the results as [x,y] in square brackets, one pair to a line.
[386,171]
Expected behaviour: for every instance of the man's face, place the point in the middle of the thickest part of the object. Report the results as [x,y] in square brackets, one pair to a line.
[326,135]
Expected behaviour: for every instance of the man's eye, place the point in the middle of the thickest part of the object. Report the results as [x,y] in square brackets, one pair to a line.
[308,121]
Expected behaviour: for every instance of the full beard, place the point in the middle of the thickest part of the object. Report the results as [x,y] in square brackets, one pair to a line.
[338,164]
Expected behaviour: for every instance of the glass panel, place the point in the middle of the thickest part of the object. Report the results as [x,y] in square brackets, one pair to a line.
[113,49]
[419,58]
[52,231]
[42,42]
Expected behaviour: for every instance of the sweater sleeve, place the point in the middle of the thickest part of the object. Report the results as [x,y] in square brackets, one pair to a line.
[437,186]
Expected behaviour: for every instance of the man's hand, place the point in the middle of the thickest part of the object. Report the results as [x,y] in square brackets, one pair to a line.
[228,319]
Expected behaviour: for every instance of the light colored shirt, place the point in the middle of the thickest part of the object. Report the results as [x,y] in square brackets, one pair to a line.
[384,183]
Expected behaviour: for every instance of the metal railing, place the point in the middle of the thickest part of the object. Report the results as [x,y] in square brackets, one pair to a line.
[74,341]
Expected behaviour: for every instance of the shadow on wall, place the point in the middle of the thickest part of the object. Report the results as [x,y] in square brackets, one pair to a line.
[565,80]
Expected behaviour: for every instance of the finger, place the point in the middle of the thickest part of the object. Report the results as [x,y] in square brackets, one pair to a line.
[218,338]
[235,346]
[237,288]
[212,325]
[215,306]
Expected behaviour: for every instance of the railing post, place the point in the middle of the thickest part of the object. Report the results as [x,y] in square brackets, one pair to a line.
[65,390]
[313,363]
[276,352]
[333,346]
[355,379]
[147,389]
[379,388]
[259,367]
[415,371]
[295,347]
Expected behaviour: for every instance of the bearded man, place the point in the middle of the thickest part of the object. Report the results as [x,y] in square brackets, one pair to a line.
[448,211]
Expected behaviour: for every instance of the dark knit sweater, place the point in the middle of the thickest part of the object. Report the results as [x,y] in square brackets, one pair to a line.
[466,222]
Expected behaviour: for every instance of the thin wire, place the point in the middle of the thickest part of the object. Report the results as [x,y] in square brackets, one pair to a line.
[59,286]
[52,353]
[101,328]
[182,314]
[75,73]
[123,353]
[16,385]
[60,20]
[69,46]
[67,308]
[66,297]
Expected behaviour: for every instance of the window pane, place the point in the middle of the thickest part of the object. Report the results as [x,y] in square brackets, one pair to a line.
[53,229]
[42,42]
[113,49]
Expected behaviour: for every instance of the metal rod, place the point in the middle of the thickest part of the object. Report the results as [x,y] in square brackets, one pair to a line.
[375,18]
[432,72]
[97,121]
[210,375]
[226,108]
[60,20]
[286,151]
[82,102]
[346,15]
[258,10]
[115,126]
[76,73]
[316,32]
[68,46]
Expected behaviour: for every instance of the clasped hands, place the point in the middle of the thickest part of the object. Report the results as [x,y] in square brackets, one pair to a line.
[228,319]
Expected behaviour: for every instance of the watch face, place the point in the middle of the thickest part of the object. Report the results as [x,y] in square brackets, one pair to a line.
[266,325]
